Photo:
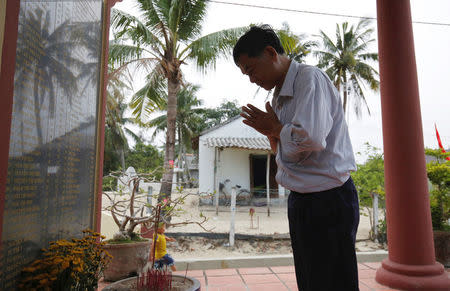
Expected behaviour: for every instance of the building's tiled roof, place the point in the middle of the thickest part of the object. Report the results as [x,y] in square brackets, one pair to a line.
[256,143]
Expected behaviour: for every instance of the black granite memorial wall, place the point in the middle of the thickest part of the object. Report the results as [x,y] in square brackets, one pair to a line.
[50,189]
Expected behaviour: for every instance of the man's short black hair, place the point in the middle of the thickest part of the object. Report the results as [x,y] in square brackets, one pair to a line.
[255,40]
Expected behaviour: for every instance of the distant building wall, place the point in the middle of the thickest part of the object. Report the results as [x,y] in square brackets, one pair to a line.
[235,166]
[233,163]
[206,168]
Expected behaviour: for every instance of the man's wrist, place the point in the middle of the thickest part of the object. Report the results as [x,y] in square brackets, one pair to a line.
[277,131]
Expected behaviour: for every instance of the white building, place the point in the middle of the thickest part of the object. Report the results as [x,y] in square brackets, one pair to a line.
[233,153]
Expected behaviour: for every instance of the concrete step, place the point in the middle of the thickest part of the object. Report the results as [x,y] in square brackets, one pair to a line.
[261,261]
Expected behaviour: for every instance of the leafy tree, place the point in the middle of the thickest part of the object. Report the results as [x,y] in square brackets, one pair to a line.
[146,159]
[111,159]
[369,180]
[344,60]
[210,117]
[438,172]
[165,36]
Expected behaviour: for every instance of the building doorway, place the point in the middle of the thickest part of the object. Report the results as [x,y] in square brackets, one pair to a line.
[258,166]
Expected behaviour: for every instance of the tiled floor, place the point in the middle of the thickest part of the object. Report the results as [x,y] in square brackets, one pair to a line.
[270,278]
[267,278]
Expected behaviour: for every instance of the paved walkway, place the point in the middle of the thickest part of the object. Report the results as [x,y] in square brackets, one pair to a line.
[267,278]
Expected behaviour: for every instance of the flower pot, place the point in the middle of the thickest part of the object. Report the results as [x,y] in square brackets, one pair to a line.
[128,259]
[442,247]
[179,283]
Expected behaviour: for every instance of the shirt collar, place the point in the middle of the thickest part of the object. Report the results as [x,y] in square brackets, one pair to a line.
[288,85]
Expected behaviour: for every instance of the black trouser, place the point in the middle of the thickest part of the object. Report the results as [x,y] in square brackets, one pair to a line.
[323,229]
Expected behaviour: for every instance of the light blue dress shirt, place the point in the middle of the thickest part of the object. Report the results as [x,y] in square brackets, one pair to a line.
[314,152]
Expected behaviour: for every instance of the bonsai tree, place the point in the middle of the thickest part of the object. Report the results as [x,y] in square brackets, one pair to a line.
[129,205]
[438,172]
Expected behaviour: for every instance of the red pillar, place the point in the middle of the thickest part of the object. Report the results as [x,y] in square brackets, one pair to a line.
[7,91]
[411,264]
[101,133]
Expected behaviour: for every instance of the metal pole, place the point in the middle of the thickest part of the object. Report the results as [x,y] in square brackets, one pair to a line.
[149,199]
[268,183]
[375,216]
[233,213]
[216,188]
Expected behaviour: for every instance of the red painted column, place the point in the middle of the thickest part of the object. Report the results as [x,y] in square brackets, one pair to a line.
[101,134]
[411,264]
[7,93]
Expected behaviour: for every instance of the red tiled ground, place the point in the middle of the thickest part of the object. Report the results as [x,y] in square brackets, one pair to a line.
[260,278]
[283,269]
[364,274]
[193,273]
[270,278]
[247,271]
[224,280]
[220,272]
[267,287]
[287,277]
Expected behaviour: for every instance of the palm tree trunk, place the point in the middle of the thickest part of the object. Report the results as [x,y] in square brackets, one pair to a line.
[180,156]
[122,159]
[345,92]
[166,185]
[37,112]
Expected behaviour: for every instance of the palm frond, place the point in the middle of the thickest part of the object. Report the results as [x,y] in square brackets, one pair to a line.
[126,26]
[191,20]
[355,84]
[369,56]
[325,58]
[175,12]
[327,43]
[339,36]
[150,97]
[367,73]
[136,138]
[120,53]
[207,49]
[159,124]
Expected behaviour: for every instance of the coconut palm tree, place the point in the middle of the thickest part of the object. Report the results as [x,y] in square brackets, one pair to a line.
[166,35]
[115,120]
[189,118]
[344,60]
[296,47]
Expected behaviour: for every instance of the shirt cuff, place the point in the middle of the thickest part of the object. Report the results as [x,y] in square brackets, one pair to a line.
[289,144]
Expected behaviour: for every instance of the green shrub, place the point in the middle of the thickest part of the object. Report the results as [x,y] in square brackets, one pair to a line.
[382,231]
[109,183]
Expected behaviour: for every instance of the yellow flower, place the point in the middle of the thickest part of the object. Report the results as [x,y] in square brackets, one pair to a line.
[29,269]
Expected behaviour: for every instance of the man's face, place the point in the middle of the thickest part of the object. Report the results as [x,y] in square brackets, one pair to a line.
[259,69]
